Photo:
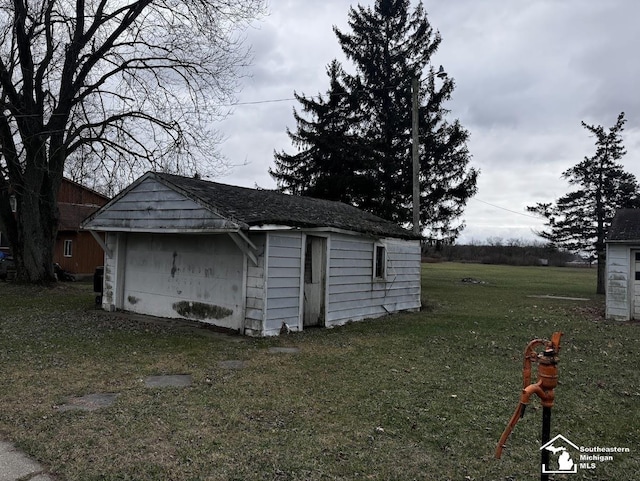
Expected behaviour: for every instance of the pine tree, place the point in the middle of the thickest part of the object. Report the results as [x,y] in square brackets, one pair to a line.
[389,46]
[325,166]
[579,221]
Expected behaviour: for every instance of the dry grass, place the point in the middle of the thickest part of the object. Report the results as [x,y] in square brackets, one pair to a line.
[413,396]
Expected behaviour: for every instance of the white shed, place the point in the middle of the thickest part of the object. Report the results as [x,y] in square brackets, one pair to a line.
[623,266]
[251,260]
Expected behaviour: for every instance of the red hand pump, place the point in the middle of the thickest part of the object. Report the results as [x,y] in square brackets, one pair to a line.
[544,388]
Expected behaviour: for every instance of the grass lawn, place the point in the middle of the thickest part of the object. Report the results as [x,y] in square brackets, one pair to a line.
[421,396]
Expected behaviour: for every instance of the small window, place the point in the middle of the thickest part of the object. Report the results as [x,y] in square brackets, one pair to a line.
[637,256]
[13,203]
[380,262]
[68,248]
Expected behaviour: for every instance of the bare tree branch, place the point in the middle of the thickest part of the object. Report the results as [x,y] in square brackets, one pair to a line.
[98,86]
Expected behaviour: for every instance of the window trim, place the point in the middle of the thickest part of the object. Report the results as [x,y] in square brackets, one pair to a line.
[67,250]
[380,273]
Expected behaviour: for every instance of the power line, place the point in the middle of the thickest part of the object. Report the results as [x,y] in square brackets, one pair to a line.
[252,102]
[319,96]
[504,208]
[257,102]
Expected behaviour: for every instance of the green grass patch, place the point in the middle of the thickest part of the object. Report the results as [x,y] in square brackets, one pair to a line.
[413,396]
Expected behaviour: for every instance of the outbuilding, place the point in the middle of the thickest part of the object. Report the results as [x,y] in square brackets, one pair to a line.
[623,266]
[251,260]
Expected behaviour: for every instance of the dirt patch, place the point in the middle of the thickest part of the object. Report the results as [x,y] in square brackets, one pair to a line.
[592,313]
[130,321]
[562,298]
[90,402]
[471,280]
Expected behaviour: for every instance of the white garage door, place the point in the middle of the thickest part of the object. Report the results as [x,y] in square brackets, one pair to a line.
[191,276]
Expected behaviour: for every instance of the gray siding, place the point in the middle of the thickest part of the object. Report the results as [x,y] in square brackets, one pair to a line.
[618,300]
[284,251]
[354,294]
[114,271]
[152,206]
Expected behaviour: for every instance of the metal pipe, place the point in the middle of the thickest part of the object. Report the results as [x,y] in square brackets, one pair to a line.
[546,436]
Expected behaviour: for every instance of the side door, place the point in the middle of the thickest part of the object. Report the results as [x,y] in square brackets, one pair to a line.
[315,276]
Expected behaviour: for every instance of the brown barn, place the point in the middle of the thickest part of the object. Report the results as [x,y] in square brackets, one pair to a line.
[76,250]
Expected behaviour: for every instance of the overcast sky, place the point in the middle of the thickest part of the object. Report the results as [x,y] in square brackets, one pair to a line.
[526,72]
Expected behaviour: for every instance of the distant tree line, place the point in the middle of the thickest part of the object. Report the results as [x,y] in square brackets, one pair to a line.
[513,252]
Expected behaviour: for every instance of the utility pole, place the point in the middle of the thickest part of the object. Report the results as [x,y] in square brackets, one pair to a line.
[415,155]
[415,144]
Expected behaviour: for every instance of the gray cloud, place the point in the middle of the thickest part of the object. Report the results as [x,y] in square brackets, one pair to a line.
[527,72]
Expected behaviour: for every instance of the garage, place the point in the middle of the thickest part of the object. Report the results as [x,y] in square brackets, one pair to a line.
[254,261]
[196,276]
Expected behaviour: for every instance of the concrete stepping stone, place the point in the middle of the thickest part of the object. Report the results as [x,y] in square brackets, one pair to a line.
[15,465]
[284,350]
[90,402]
[170,380]
[233,364]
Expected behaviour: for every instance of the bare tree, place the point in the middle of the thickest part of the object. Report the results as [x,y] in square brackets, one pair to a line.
[108,86]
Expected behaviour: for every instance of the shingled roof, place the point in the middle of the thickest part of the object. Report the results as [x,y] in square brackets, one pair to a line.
[625,226]
[256,207]
[72,215]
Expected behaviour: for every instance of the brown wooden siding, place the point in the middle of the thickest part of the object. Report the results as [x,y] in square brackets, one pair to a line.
[86,254]
[73,193]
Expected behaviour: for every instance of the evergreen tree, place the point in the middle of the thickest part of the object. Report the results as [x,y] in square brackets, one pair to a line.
[389,46]
[325,166]
[579,221]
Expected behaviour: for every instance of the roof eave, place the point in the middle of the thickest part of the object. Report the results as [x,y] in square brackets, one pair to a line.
[165,230]
[623,241]
[283,227]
